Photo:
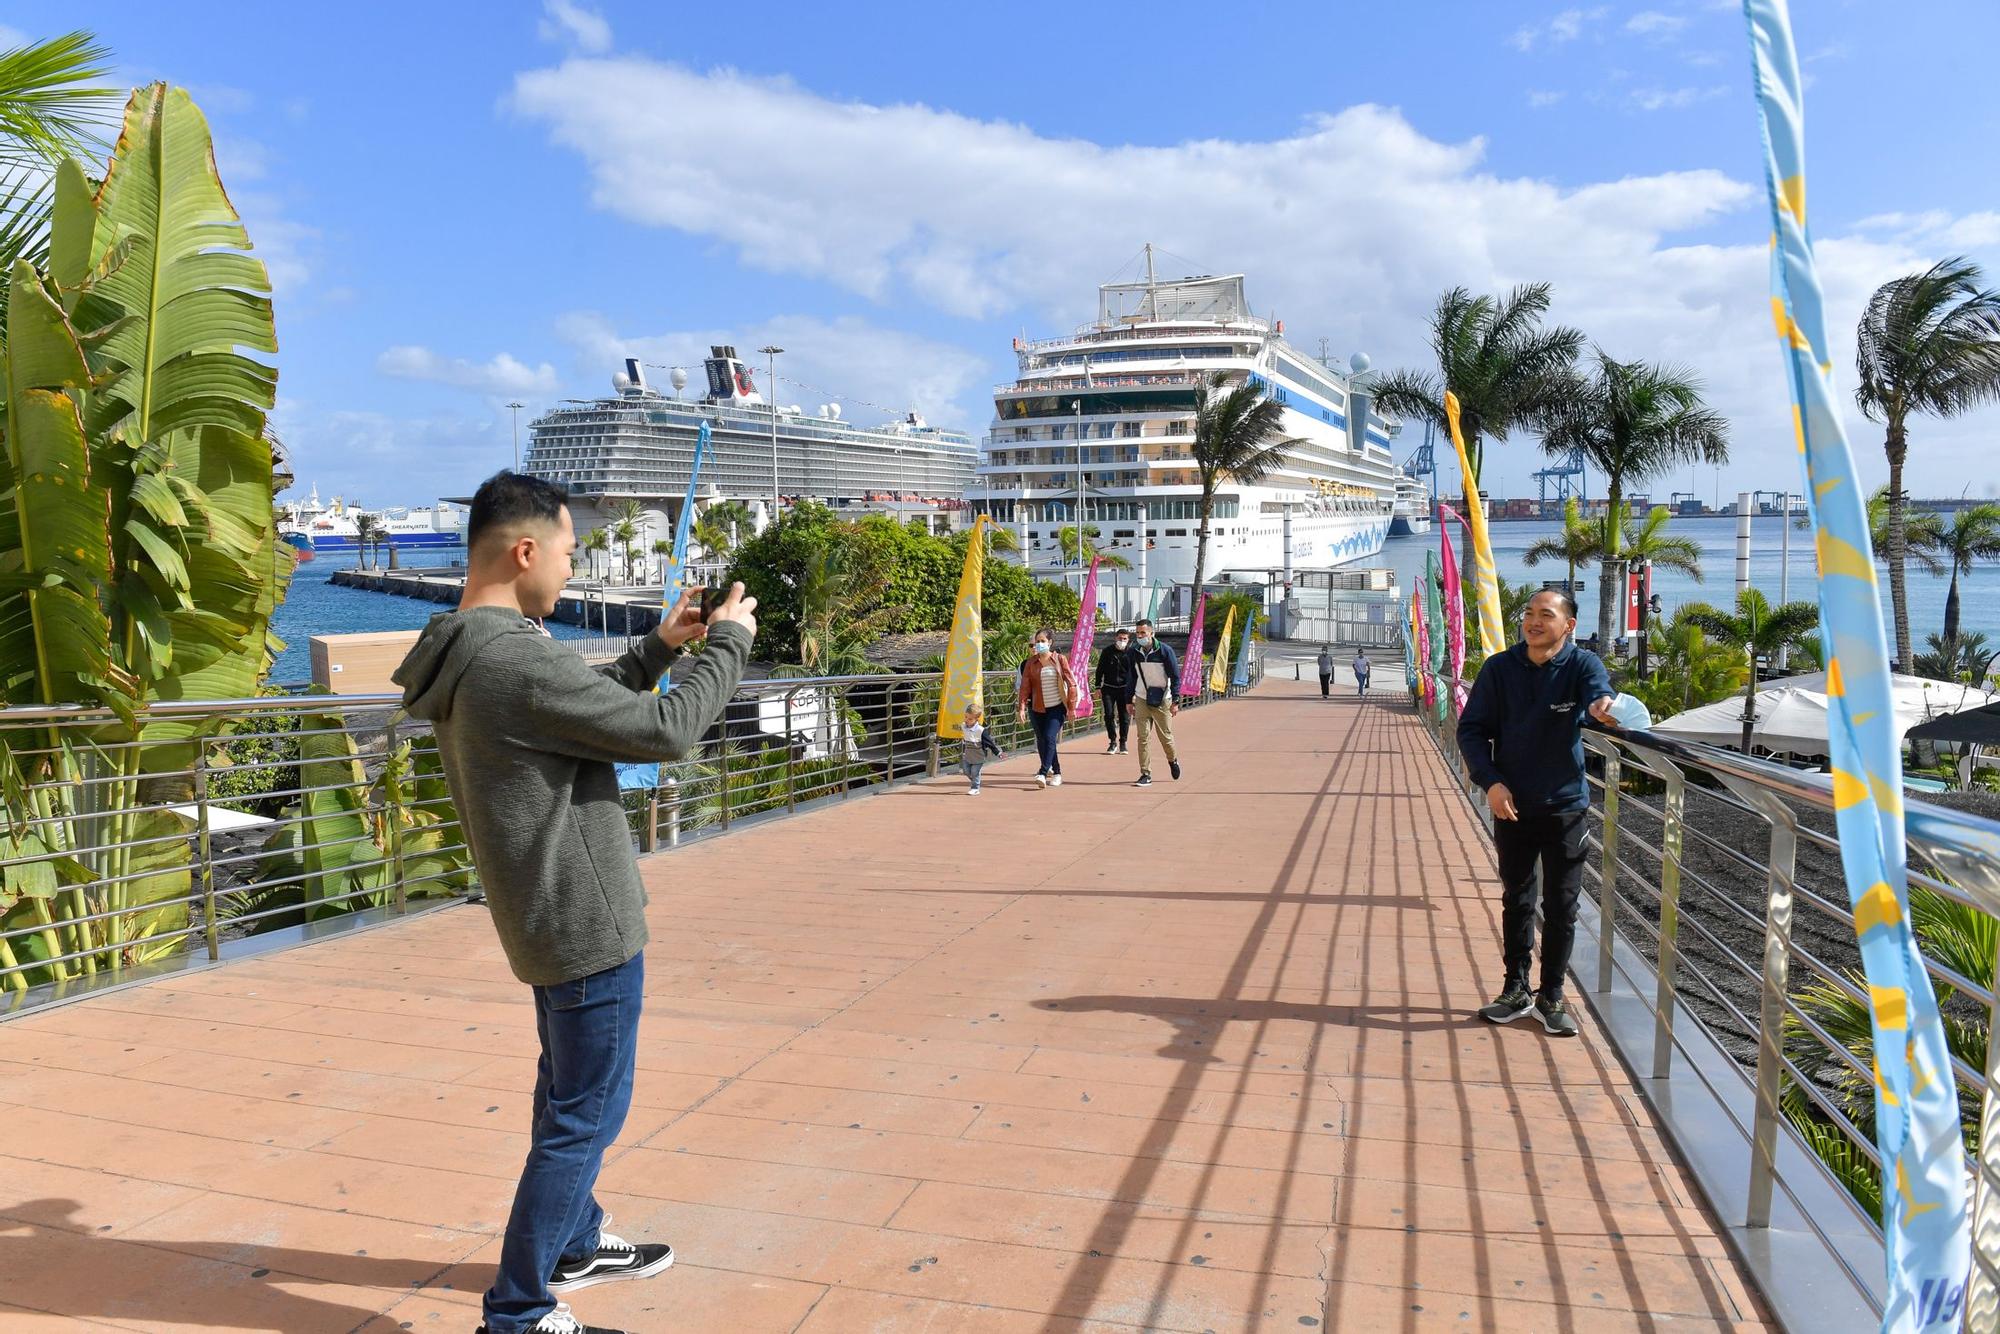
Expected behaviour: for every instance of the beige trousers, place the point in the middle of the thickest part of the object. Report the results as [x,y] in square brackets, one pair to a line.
[1145,718]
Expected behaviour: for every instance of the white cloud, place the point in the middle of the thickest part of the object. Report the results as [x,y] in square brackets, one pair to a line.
[566,20]
[871,371]
[503,375]
[1541,98]
[374,459]
[1673,99]
[1566,26]
[11,38]
[1652,23]
[1349,227]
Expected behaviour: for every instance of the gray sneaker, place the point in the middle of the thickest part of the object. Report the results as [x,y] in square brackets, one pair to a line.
[1557,1021]
[1513,1003]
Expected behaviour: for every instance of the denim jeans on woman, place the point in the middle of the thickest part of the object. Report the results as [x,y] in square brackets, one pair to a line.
[589,1030]
[1048,732]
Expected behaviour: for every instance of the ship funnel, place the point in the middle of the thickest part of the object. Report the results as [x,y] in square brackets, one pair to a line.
[634,373]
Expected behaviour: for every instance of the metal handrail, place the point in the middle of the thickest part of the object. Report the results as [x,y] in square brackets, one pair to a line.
[1964,848]
[871,730]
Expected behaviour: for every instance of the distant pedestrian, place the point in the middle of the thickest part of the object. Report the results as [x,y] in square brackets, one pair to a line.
[1158,674]
[1361,671]
[976,745]
[1522,737]
[1326,671]
[528,734]
[1048,692]
[1113,682]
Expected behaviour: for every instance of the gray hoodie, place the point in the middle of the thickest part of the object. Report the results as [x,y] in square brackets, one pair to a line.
[528,734]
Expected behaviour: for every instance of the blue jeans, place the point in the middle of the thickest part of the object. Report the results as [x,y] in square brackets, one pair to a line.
[1048,731]
[589,1030]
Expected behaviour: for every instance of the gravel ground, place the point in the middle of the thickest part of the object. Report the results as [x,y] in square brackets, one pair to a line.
[1726,898]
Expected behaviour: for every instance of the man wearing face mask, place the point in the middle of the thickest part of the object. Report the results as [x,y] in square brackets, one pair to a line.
[1156,672]
[1115,675]
[1048,692]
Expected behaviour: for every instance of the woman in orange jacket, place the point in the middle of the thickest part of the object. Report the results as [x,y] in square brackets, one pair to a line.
[1048,692]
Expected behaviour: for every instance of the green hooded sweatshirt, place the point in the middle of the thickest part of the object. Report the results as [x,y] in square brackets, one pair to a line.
[528,734]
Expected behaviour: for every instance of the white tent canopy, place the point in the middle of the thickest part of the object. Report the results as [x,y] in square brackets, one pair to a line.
[1791,714]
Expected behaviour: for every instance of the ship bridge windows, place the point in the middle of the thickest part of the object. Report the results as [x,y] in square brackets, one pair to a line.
[1009,409]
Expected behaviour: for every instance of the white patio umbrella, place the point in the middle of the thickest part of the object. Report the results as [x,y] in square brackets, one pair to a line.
[1791,713]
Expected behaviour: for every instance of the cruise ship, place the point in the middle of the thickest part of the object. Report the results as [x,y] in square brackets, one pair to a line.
[639,445]
[1104,417]
[307,526]
[1414,506]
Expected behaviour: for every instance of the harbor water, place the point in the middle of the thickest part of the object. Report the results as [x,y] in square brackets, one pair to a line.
[316,606]
[1979,593]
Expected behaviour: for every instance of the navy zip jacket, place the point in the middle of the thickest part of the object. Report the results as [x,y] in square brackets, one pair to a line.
[1523,726]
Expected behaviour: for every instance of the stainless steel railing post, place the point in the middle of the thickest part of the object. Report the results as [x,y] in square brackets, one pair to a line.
[392,814]
[791,785]
[1607,880]
[210,932]
[1776,986]
[1672,833]
[673,786]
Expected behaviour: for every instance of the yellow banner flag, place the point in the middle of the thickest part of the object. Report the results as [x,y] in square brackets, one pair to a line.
[1218,680]
[1486,583]
[963,664]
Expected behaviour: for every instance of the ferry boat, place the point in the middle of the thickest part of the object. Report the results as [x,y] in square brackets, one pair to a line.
[308,527]
[1102,420]
[639,445]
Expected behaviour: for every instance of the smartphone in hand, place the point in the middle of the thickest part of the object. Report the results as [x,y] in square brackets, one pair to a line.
[711,598]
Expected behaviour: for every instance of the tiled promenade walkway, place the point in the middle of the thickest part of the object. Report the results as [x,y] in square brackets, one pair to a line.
[1193,1058]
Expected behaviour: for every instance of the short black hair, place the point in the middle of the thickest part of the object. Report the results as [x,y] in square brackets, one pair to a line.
[508,497]
[1146,621]
[1563,600]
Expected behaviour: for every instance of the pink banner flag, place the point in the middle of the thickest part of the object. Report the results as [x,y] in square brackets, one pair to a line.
[1080,644]
[1454,599]
[1191,672]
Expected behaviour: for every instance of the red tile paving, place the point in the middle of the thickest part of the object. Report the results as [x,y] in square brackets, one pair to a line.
[1198,1057]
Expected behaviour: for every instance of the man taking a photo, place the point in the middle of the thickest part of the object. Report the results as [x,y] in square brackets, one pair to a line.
[528,735]
[1522,737]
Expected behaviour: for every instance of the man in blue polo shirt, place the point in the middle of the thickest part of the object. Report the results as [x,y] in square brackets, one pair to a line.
[1522,737]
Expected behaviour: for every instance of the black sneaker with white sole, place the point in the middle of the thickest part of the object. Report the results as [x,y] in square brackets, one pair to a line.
[1145,780]
[560,1321]
[1174,768]
[616,1258]
[1557,1021]
[1514,1003]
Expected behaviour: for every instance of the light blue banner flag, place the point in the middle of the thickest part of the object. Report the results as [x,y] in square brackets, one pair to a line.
[1242,676]
[670,581]
[1926,1237]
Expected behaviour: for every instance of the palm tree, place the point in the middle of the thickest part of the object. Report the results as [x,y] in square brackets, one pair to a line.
[597,540]
[665,551]
[626,522]
[840,611]
[1758,629]
[1689,669]
[1580,543]
[1239,436]
[1633,421]
[1651,543]
[1928,342]
[1494,354]
[1972,535]
[720,526]
[1066,542]
[367,532]
[51,107]
[1968,658]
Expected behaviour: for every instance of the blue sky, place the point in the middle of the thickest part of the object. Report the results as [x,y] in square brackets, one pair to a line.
[466,204]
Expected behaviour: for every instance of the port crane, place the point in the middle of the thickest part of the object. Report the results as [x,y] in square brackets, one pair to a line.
[1561,471]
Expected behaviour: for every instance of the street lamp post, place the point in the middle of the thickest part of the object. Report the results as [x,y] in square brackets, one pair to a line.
[516,407]
[771,400]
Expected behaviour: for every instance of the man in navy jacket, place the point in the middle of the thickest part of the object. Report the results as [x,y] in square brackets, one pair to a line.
[1521,733]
